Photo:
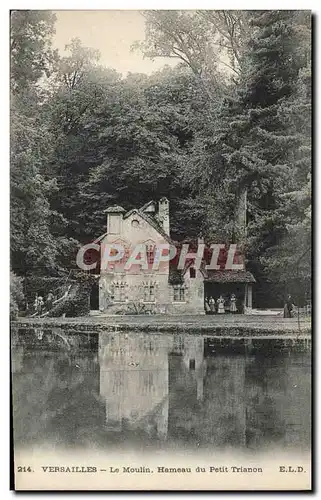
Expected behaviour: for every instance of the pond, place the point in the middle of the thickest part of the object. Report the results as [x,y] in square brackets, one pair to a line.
[146,391]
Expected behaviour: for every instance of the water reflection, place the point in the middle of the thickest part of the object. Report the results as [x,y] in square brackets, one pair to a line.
[146,390]
[134,378]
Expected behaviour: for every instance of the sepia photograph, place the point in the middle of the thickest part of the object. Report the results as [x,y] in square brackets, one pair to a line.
[160,250]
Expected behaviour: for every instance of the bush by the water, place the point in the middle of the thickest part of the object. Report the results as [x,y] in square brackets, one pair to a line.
[17,297]
[77,303]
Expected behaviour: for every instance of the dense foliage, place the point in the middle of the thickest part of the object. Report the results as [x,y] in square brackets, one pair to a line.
[16,294]
[225,135]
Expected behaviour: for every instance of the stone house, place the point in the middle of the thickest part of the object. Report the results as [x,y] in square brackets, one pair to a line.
[163,290]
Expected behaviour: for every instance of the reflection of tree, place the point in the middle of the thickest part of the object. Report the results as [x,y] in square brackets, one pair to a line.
[220,418]
[55,399]
[263,423]
[29,394]
[278,392]
[265,383]
[74,404]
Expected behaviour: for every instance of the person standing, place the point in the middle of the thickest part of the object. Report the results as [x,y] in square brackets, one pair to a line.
[233,304]
[288,308]
[40,305]
[212,304]
[220,303]
[49,300]
[35,304]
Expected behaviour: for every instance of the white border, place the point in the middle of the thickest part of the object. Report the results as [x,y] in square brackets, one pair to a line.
[122,4]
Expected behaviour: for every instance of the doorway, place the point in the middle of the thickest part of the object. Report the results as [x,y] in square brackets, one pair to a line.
[226,290]
[94,297]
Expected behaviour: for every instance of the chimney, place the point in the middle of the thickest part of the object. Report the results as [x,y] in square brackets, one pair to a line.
[163,214]
[114,219]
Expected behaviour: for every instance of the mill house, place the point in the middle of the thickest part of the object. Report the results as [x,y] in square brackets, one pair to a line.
[162,290]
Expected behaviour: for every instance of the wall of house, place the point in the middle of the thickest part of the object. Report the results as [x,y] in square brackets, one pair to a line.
[134,230]
[134,293]
[194,296]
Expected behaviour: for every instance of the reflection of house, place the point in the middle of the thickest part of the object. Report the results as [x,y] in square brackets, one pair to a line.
[162,290]
[134,377]
[134,382]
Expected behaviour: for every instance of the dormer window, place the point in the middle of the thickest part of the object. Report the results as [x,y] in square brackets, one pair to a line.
[150,254]
[150,251]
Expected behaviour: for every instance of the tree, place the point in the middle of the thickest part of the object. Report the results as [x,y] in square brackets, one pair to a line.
[79,91]
[32,245]
[246,147]
[31,52]
[210,43]
[34,249]
[289,262]
[262,141]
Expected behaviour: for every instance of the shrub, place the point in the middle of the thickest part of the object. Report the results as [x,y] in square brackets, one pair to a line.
[17,298]
[76,304]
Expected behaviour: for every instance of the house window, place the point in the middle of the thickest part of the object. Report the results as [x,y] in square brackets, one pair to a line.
[179,294]
[126,255]
[119,292]
[150,254]
[192,364]
[192,272]
[147,382]
[149,293]
[178,345]
[118,382]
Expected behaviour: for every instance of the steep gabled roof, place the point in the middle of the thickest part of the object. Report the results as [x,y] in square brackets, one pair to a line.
[151,221]
[97,240]
[117,209]
[148,204]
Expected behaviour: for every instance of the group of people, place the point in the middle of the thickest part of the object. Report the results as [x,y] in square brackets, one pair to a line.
[218,306]
[40,305]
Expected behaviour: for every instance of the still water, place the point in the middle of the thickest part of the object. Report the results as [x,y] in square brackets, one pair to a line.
[143,391]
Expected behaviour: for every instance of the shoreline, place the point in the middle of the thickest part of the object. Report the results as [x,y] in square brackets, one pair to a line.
[243,326]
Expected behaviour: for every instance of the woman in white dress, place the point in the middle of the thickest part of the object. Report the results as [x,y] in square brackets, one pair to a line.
[221,302]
